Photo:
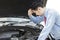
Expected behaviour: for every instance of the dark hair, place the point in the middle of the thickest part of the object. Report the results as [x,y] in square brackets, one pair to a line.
[39,3]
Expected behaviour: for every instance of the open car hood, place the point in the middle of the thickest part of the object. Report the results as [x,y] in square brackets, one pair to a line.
[13,7]
[14,20]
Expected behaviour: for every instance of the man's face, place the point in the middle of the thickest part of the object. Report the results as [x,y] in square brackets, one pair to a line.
[39,11]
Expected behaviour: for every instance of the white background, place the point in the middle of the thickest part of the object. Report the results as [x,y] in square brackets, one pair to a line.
[54,4]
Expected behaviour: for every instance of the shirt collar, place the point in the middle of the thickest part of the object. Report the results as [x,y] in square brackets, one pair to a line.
[46,12]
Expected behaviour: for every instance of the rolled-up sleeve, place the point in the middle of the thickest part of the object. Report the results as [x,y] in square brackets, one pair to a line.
[37,19]
[49,25]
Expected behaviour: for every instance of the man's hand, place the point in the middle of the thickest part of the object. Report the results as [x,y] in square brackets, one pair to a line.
[30,12]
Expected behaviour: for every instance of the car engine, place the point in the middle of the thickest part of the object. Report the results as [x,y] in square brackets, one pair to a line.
[12,28]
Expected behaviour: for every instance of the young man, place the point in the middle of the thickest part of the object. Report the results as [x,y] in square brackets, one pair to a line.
[51,17]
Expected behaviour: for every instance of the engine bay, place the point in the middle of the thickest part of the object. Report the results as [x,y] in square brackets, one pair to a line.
[12,28]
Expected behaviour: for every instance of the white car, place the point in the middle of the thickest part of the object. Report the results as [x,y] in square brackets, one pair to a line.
[14,21]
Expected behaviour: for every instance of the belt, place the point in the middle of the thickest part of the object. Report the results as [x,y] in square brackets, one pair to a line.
[53,38]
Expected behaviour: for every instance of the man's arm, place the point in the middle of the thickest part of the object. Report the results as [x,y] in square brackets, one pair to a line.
[49,24]
[37,19]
